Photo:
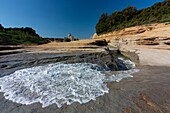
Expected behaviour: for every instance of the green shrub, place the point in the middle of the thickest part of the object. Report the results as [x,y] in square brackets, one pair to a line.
[15,36]
[66,39]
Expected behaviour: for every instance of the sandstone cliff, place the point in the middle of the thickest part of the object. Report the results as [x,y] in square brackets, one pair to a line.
[151,34]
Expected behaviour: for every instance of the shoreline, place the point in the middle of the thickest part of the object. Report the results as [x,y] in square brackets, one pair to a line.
[146,91]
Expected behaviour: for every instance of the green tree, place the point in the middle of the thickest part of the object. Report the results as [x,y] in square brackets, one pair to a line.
[101,26]
[130,16]
[1,27]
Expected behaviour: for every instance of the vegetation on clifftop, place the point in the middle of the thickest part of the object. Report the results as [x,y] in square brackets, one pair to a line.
[130,16]
[15,36]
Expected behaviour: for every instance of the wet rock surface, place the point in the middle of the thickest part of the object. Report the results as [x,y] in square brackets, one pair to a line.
[11,63]
[147,92]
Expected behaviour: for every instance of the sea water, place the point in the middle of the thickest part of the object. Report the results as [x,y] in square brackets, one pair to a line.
[60,83]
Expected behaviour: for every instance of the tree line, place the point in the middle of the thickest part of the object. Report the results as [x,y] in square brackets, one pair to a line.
[130,16]
[24,35]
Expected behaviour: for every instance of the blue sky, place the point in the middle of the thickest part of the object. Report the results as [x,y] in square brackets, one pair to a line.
[57,18]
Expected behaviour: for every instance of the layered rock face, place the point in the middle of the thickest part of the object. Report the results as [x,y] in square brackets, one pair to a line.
[151,34]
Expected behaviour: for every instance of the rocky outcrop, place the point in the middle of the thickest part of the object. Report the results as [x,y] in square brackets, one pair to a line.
[147,41]
[152,34]
[99,43]
[107,60]
[167,43]
[126,31]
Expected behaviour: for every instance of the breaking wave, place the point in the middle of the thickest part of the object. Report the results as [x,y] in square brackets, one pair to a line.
[59,83]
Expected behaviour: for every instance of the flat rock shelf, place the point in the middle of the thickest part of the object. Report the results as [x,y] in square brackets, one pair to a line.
[130,95]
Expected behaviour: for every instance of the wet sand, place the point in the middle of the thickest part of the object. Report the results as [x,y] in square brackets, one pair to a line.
[147,92]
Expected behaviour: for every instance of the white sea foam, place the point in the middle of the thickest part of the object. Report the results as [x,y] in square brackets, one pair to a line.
[121,75]
[55,83]
[58,84]
[129,64]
